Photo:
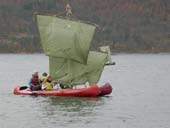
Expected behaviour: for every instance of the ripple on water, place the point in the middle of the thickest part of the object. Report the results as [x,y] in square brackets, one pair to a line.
[140,97]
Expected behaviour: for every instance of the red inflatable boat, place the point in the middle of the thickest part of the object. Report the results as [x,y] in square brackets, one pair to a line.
[92,91]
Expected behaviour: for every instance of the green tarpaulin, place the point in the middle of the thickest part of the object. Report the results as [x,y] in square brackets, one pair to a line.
[72,73]
[67,43]
[65,38]
[106,49]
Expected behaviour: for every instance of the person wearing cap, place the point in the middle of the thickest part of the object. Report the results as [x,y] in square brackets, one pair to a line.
[43,80]
[34,82]
[48,84]
[43,77]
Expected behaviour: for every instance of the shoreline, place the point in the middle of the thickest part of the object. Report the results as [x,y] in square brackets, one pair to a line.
[113,53]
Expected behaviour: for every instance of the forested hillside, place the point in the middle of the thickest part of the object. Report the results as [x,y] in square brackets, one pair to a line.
[125,25]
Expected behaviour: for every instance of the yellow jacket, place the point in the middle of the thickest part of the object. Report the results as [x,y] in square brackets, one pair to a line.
[48,86]
[43,79]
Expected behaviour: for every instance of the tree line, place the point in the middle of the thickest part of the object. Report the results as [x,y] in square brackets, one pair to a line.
[126,26]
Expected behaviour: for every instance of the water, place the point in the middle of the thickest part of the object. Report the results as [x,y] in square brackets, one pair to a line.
[140,99]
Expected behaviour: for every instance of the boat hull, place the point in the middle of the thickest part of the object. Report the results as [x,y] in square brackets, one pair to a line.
[105,89]
[92,91]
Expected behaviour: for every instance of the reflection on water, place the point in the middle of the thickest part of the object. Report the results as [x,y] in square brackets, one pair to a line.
[68,111]
[73,104]
[70,106]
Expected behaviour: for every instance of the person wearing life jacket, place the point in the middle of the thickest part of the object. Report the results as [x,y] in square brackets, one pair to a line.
[43,77]
[34,82]
[43,80]
[48,84]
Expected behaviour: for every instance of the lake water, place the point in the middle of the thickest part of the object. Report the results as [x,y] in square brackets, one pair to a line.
[140,98]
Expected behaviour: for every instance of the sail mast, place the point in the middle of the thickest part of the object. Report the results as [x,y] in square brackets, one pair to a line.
[68,10]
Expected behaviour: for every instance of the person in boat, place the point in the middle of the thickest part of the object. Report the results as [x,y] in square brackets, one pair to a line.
[43,80]
[34,82]
[43,77]
[48,84]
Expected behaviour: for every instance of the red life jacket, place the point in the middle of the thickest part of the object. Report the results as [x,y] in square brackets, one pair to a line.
[35,80]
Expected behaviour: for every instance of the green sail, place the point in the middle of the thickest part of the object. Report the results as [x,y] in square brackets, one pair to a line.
[64,38]
[67,43]
[70,72]
[106,49]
